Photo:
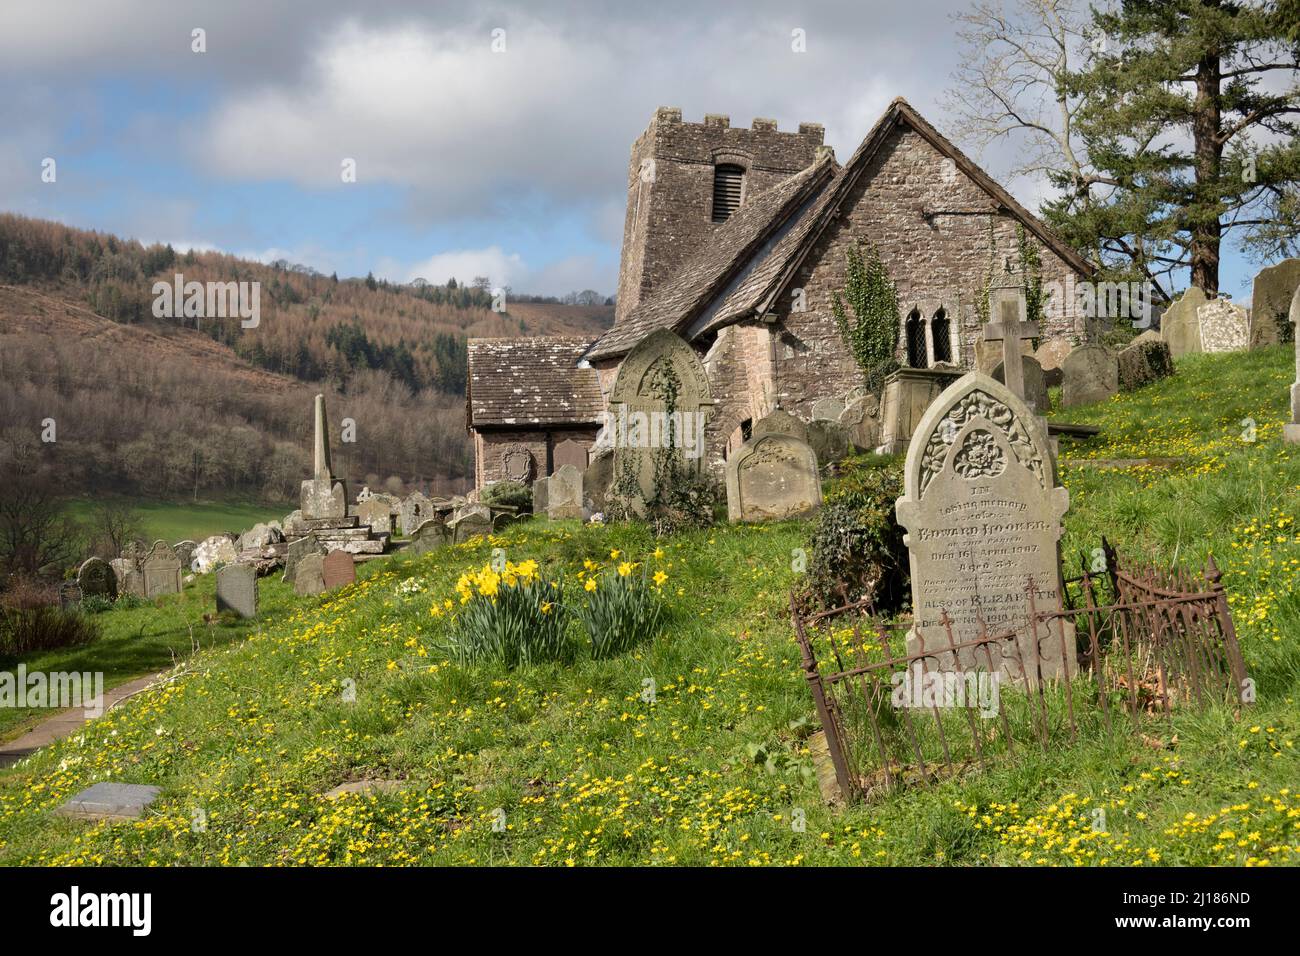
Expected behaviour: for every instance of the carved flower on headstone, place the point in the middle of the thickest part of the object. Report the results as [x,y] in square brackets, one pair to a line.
[979,457]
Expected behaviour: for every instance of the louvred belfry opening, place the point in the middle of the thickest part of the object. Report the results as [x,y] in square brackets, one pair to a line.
[727,183]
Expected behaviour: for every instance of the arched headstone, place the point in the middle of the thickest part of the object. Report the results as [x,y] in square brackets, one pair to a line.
[772,477]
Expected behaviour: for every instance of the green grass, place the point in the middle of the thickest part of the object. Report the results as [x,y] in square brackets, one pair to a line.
[177,521]
[583,765]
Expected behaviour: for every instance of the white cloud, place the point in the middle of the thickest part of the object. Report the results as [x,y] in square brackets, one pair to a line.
[503,268]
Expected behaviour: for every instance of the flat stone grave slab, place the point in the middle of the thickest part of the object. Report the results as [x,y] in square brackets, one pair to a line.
[110,801]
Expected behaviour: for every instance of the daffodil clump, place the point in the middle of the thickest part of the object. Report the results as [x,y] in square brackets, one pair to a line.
[510,614]
[620,606]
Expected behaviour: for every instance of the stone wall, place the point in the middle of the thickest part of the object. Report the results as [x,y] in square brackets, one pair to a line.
[491,445]
[670,208]
[935,260]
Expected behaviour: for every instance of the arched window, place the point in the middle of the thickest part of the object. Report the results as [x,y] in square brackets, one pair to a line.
[916,351]
[941,337]
[728,179]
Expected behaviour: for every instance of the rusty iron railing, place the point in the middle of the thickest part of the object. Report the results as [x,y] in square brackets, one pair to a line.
[1142,640]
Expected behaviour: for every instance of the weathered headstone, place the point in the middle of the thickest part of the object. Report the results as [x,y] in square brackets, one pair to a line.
[829,440]
[237,590]
[569,452]
[129,578]
[470,522]
[771,478]
[298,549]
[564,494]
[982,511]
[96,577]
[540,495]
[110,801]
[211,552]
[339,569]
[1180,327]
[1091,375]
[185,552]
[1270,300]
[657,413]
[517,463]
[377,512]
[162,571]
[322,496]
[1142,363]
[779,422]
[414,511]
[1033,384]
[309,575]
[861,420]
[596,478]
[1225,326]
[430,536]
[1051,356]
[70,594]
[1291,431]
[827,409]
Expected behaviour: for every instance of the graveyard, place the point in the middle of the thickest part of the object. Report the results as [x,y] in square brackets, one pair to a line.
[334,728]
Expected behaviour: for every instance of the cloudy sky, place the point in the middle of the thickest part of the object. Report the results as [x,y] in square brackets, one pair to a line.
[468,162]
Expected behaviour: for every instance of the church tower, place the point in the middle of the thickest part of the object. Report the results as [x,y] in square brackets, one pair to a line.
[686,179]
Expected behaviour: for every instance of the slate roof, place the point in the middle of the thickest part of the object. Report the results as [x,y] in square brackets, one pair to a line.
[750,258]
[529,382]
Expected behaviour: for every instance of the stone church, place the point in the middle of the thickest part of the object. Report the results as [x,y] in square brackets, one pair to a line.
[735,240]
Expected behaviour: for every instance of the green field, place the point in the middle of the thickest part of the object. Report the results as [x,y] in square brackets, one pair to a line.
[177,521]
[573,765]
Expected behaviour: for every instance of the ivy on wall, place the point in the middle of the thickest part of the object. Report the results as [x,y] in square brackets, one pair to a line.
[867,313]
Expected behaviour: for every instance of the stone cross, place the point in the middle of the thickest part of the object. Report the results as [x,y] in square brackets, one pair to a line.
[1007,311]
[322,452]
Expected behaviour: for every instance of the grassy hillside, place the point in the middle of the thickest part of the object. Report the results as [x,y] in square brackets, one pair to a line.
[579,766]
[176,521]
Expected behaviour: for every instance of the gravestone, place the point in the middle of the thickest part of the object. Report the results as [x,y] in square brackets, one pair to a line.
[540,495]
[779,422]
[657,413]
[161,570]
[339,569]
[322,496]
[469,522]
[1142,363]
[517,463]
[96,576]
[377,512]
[70,594]
[982,512]
[128,576]
[1270,302]
[827,409]
[298,549]
[569,452]
[1291,431]
[772,477]
[1179,325]
[309,575]
[210,552]
[259,536]
[596,479]
[110,801]
[414,511]
[1051,357]
[185,551]
[829,440]
[908,393]
[564,494]
[1032,382]
[1225,326]
[430,536]
[861,420]
[237,590]
[1091,375]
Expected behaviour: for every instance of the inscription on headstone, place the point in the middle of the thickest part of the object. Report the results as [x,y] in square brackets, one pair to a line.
[982,511]
[339,569]
[162,571]
[771,478]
